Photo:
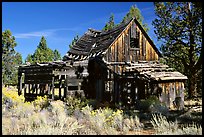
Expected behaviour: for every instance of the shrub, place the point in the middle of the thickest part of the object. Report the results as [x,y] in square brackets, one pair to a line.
[23,110]
[153,105]
[41,103]
[73,103]
[11,98]
[162,126]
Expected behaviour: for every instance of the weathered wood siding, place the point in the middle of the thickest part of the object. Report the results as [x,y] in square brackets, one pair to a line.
[121,51]
[170,91]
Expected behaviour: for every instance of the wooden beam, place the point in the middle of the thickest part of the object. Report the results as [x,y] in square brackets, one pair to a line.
[48,89]
[33,88]
[20,83]
[60,86]
[25,88]
[66,87]
[53,88]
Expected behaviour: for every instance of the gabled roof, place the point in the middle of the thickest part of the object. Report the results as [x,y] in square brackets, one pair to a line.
[95,43]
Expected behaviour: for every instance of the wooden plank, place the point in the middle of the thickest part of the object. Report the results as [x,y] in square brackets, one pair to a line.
[168,95]
[126,46]
[113,52]
[38,81]
[25,88]
[60,86]
[49,89]
[33,88]
[53,88]
[20,83]
[182,95]
[66,87]
[173,78]
[39,73]
[109,55]
[31,71]
[37,77]
[123,47]
[143,47]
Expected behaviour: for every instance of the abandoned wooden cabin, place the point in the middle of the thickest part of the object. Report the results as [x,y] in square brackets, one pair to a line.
[118,65]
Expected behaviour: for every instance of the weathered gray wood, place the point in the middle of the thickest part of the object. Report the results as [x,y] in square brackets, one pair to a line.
[53,88]
[66,87]
[49,89]
[38,81]
[33,88]
[20,84]
[60,86]
[25,88]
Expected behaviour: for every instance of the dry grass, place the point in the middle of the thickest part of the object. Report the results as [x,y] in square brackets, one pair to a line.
[75,117]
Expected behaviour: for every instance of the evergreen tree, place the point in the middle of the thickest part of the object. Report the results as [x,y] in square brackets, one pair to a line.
[10,58]
[29,58]
[43,53]
[179,26]
[76,38]
[135,12]
[110,24]
[57,55]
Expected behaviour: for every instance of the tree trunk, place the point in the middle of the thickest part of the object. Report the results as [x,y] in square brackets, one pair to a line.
[191,85]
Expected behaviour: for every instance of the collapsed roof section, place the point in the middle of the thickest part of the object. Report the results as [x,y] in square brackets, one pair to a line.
[94,43]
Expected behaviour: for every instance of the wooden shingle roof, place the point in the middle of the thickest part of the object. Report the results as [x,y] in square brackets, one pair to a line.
[95,43]
[156,71]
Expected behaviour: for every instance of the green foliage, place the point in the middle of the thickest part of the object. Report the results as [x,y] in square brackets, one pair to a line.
[146,103]
[43,53]
[29,58]
[179,26]
[11,98]
[76,38]
[134,12]
[73,103]
[153,105]
[10,58]
[57,55]
[110,24]
[41,102]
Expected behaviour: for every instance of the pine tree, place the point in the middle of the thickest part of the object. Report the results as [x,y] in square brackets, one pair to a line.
[134,12]
[10,59]
[29,58]
[179,26]
[43,53]
[75,39]
[57,55]
[110,24]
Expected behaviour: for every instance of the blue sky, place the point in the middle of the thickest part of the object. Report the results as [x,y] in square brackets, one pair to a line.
[59,22]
